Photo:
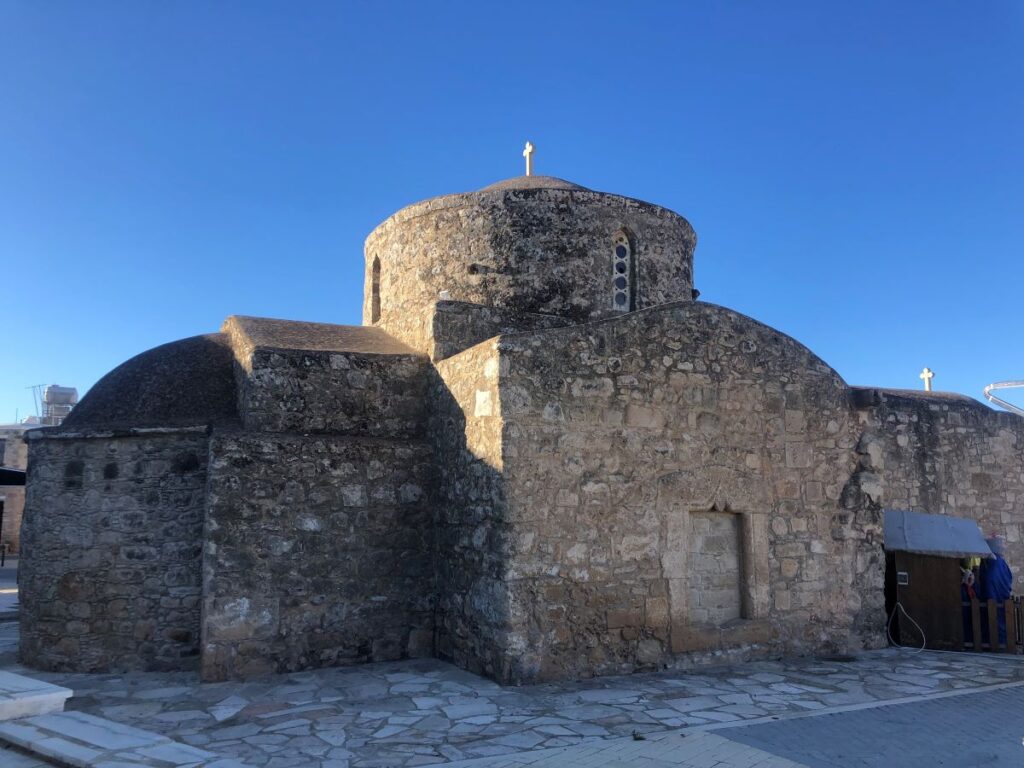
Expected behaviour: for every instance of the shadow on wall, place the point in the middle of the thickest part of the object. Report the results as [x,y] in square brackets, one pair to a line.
[472,531]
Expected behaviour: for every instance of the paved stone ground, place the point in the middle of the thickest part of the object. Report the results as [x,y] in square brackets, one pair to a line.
[982,729]
[9,588]
[425,712]
[669,749]
[9,644]
[11,758]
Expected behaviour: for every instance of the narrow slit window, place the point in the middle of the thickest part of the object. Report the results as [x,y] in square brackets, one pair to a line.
[623,273]
[375,290]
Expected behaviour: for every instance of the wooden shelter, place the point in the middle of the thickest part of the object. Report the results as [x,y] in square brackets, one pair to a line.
[923,578]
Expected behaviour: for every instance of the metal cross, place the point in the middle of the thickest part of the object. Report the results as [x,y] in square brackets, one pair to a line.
[528,154]
[927,374]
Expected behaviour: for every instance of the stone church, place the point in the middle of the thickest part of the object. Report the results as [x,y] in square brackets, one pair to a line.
[540,457]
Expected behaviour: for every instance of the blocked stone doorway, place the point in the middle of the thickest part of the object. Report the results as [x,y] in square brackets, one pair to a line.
[716,567]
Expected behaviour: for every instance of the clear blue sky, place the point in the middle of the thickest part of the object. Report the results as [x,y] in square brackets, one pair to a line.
[854,171]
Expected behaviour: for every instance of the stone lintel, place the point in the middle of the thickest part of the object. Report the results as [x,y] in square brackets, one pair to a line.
[56,433]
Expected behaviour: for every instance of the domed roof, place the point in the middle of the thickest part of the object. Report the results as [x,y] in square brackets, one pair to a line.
[533,182]
[184,383]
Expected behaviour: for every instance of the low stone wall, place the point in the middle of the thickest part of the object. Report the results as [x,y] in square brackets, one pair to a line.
[318,553]
[949,455]
[110,572]
[618,436]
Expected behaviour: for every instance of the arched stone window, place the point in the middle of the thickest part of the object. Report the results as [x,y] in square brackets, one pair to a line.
[375,290]
[623,273]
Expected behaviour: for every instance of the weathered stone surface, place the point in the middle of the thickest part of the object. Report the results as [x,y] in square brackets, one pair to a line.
[500,468]
[459,325]
[318,553]
[472,529]
[716,567]
[183,383]
[342,380]
[947,454]
[618,436]
[540,250]
[112,538]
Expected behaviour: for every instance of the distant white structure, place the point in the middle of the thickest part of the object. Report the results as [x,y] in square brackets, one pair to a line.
[999,401]
[57,404]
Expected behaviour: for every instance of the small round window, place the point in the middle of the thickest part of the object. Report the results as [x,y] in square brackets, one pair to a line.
[623,278]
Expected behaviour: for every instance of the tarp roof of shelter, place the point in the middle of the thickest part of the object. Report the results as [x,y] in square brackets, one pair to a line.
[940,535]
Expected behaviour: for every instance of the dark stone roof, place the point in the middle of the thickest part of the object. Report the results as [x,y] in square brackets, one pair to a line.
[864,394]
[184,383]
[267,333]
[533,182]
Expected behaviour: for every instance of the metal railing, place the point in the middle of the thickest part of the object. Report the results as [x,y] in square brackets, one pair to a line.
[999,401]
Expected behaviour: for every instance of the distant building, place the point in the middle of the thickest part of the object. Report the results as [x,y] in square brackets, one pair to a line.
[13,455]
[57,403]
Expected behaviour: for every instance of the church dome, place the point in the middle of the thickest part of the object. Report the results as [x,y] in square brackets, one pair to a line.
[530,245]
[533,182]
[183,383]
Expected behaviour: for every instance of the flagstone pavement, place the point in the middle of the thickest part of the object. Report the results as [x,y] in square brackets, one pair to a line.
[981,729]
[425,712]
[10,758]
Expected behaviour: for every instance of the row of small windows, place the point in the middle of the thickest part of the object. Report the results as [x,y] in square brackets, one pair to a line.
[623,277]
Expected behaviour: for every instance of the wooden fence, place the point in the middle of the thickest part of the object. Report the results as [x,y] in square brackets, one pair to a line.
[984,626]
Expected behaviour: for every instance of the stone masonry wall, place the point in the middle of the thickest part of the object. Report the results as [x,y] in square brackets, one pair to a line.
[473,534]
[716,560]
[949,455]
[318,553]
[110,573]
[539,251]
[616,432]
[458,325]
[341,392]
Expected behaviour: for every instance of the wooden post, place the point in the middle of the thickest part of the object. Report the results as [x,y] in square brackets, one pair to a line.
[976,624]
[1011,627]
[993,625]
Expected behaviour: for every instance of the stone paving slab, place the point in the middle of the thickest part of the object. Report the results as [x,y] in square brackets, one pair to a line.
[692,749]
[83,740]
[11,758]
[22,696]
[424,712]
[8,604]
[976,729]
